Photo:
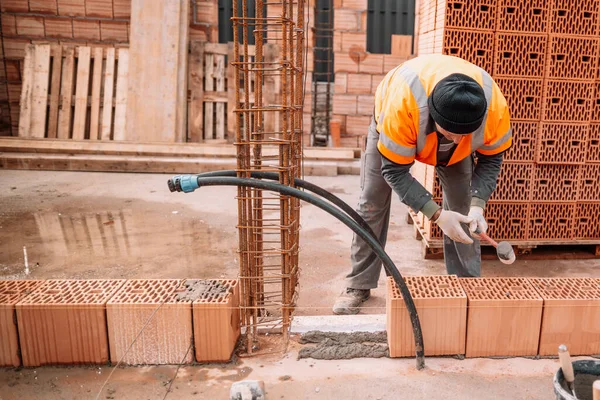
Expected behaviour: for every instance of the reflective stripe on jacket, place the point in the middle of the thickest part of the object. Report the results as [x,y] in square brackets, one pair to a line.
[406,130]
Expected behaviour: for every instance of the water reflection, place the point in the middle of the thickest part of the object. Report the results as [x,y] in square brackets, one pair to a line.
[168,243]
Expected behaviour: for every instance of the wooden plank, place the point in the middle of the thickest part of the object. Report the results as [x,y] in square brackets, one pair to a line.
[156,34]
[26,92]
[109,76]
[81,93]
[196,88]
[231,105]
[16,145]
[218,48]
[66,93]
[173,165]
[209,87]
[122,94]
[56,54]
[39,94]
[182,81]
[220,75]
[96,82]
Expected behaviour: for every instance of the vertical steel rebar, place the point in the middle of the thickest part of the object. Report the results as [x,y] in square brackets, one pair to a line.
[269,96]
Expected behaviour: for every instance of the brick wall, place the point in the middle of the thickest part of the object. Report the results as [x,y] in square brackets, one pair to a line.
[77,22]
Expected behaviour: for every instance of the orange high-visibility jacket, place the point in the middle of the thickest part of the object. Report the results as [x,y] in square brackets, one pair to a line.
[406,131]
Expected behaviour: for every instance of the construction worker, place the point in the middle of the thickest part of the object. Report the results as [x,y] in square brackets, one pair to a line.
[442,111]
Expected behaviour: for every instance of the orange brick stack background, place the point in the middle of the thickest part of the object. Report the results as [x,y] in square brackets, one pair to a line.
[543,54]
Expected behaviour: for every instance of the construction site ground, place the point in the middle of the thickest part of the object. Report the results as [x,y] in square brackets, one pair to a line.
[144,231]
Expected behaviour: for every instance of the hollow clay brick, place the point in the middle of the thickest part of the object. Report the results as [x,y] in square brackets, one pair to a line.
[217,321]
[560,143]
[589,183]
[593,144]
[572,57]
[442,307]
[555,183]
[574,17]
[507,221]
[551,221]
[64,322]
[470,14]
[567,101]
[520,55]
[523,15]
[571,315]
[587,221]
[524,97]
[150,309]
[504,317]
[514,183]
[11,292]
[476,47]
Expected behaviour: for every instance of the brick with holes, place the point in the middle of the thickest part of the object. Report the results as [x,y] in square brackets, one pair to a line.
[64,322]
[574,17]
[525,135]
[216,320]
[442,307]
[593,144]
[11,292]
[523,16]
[514,182]
[507,221]
[524,97]
[587,221]
[571,315]
[520,55]
[572,57]
[560,143]
[476,47]
[154,310]
[505,315]
[555,183]
[589,183]
[567,101]
[551,221]
[472,14]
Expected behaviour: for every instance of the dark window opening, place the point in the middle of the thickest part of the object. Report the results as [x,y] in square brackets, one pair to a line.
[386,18]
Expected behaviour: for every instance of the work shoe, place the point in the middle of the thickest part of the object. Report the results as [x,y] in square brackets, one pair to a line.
[350,300]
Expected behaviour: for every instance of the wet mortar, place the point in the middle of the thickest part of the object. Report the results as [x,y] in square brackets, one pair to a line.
[343,346]
[200,288]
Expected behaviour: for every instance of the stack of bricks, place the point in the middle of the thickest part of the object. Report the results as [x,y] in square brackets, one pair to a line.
[84,22]
[544,57]
[496,317]
[357,72]
[140,321]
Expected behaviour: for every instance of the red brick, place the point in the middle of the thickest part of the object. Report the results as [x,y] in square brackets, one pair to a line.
[351,40]
[345,63]
[116,31]
[344,104]
[496,306]
[86,29]
[198,33]
[30,26]
[346,20]
[72,8]
[357,125]
[99,8]
[46,336]
[3,99]
[571,315]
[337,41]
[9,24]
[363,21]
[372,64]
[341,83]
[59,28]
[207,12]
[11,292]
[122,9]
[390,62]
[442,306]
[15,48]
[360,5]
[514,183]
[166,338]
[14,6]
[217,321]
[43,6]
[366,103]
[359,83]
[377,79]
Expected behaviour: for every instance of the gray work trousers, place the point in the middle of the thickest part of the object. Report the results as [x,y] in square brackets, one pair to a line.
[461,259]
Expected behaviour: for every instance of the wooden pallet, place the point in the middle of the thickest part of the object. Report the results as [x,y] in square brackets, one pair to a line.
[69,92]
[432,249]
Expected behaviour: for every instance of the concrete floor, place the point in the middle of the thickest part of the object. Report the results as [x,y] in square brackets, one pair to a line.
[94,225]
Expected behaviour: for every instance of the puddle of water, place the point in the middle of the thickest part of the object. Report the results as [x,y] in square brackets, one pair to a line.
[92,244]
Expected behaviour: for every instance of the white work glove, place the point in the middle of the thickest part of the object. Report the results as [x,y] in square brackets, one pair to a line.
[450,223]
[479,223]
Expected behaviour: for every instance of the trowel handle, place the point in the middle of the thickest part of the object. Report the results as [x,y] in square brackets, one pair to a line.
[596,389]
[565,363]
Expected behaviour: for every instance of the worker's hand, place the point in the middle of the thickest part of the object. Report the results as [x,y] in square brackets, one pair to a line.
[479,223]
[450,223]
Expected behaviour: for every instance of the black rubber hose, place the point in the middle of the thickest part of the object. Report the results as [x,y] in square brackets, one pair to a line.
[349,222]
[311,187]
[301,183]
